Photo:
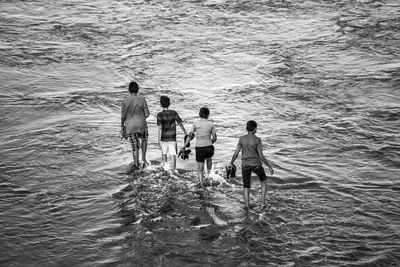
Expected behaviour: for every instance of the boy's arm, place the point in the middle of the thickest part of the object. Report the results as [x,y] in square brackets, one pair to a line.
[159,135]
[236,154]
[190,137]
[146,109]
[213,135]
[159,124]
[214,138]
[180,123]
[263,159]
[183,128]
[123,117]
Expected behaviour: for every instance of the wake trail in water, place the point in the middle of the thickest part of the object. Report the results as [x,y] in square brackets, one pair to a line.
[180,214]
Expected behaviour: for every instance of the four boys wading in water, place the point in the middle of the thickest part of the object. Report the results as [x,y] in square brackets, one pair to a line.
[134,112]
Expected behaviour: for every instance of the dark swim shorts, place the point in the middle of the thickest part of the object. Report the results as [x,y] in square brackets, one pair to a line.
[203,153]
[246,173]
[135,138]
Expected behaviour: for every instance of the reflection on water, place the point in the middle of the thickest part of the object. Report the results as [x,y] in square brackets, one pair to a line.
[319,77]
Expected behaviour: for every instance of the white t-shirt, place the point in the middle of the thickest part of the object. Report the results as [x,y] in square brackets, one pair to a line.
[203,129]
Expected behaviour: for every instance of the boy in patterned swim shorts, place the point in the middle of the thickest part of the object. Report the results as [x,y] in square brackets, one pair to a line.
[134,112]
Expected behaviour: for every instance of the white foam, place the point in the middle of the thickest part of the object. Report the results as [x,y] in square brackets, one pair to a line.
[215,175]
[215,218]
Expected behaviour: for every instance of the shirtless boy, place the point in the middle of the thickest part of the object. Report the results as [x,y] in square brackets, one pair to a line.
[252,159]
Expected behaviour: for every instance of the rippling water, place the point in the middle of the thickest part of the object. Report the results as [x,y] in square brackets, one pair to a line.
[320,77]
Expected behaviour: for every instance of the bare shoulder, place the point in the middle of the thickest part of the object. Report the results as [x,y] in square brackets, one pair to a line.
[257,140]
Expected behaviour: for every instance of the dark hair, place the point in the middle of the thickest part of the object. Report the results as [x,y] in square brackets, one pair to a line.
[204,113]
[251,125]
[133,87]
[164,101]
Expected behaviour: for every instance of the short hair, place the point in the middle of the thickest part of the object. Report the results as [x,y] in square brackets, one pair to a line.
[164,101]
[204,113]
[133,87]
[251,125]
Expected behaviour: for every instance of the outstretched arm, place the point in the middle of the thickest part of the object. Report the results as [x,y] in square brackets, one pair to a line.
[213,137]
[190,135]
[263,159]
[123,117]
[213,134]
[146,109]
[183,128]
[190,138]
[236,153]
[159,135]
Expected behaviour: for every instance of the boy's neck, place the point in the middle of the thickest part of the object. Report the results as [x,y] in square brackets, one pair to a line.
[251,132]
[165,108]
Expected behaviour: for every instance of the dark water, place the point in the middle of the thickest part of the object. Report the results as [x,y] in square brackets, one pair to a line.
[321,78]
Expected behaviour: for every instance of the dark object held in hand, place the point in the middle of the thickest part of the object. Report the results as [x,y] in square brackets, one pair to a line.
[230,171]
[184,153]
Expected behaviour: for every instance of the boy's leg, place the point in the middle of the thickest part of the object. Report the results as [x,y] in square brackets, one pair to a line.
[209,154]
[200,172]
[133,138]
[263,192]
[200,158]
[174,148]
[259,170]
[164,160]
[246,197]
[246,176]
[144,149]
[209,165]
[173,162]
[135,157]
[164,155]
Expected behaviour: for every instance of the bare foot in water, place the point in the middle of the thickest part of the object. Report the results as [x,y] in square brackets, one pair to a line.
[132,169]
[144,164]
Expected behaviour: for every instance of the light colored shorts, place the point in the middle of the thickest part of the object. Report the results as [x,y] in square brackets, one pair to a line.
[169,148]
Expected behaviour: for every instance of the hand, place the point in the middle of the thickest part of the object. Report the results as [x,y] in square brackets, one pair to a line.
[123,134]
[271,170]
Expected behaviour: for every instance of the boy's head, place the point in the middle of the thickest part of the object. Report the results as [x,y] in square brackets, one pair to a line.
[164,101]
[251,126]
[133,87]
[204,113]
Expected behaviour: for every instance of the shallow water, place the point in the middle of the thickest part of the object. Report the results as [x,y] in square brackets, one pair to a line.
[321,78]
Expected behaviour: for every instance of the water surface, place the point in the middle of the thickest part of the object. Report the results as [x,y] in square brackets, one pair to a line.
[321,78]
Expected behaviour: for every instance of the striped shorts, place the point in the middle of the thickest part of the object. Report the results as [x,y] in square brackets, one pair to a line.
[136,139]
